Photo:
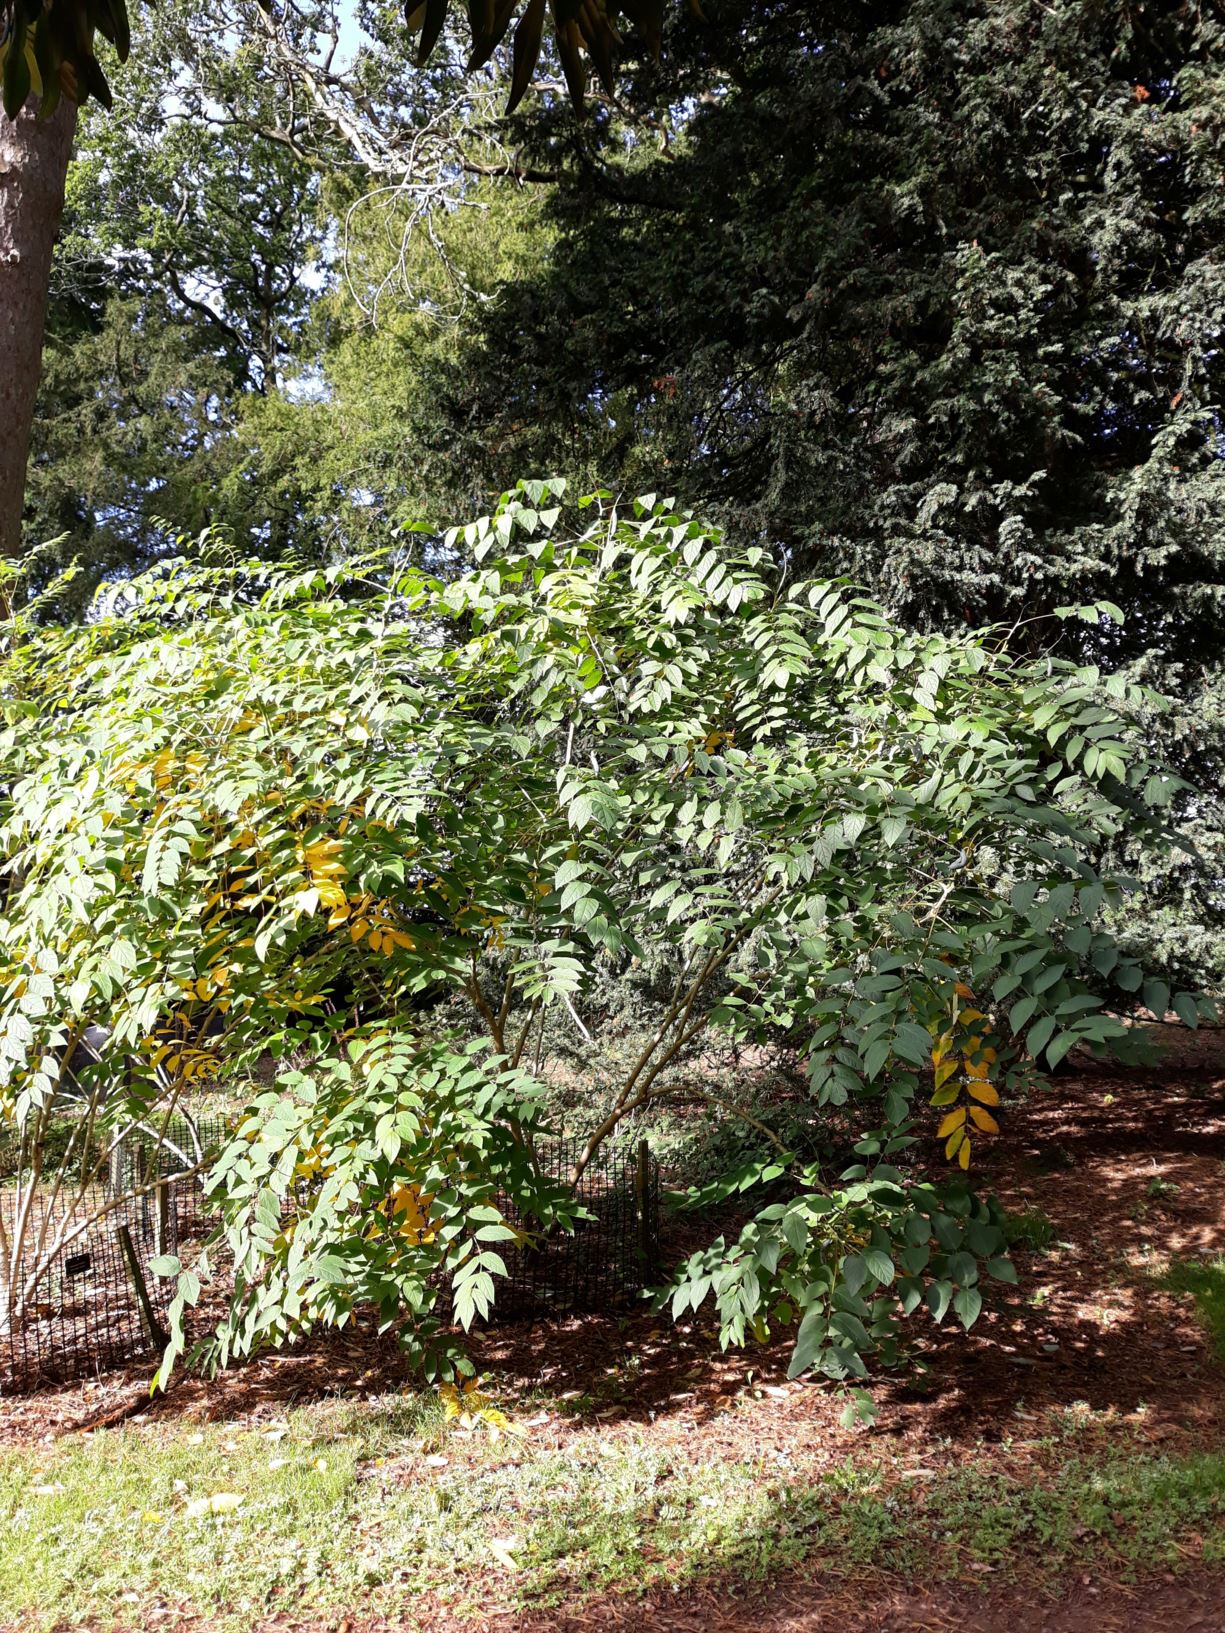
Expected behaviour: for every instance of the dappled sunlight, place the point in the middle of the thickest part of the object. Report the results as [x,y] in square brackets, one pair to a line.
[1091,1327]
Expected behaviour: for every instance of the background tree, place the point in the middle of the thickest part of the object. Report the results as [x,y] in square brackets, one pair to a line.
[927,294]
[33,159]
[224,239]
[49,59]
[190,255]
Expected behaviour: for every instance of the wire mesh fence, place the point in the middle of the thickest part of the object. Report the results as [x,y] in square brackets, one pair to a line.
[610,1256]
[77,1295]
[96,1304]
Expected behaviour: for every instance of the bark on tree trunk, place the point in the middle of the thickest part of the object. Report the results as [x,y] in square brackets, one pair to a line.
[33,165]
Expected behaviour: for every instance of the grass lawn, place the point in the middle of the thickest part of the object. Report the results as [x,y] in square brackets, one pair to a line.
[1205,1281]
[375,1505]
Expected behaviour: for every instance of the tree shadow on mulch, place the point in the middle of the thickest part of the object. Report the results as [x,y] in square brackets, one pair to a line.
[1128,1167]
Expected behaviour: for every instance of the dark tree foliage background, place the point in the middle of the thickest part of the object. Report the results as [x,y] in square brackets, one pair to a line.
[936,301]
[931,294]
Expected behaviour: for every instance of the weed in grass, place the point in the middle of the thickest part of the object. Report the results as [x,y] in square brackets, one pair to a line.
[1204,1279]
[1031,1229]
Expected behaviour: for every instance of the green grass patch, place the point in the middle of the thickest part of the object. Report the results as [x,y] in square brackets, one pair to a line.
[1204,1279]
[1029,1229]
[326,1512]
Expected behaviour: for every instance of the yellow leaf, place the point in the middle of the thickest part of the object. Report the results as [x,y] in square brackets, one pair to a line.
[963,1156]
[986,1092]
[944,1071]
[955,1141]
[941,1048]
[952,1121]
[984,1120]
[968,1015]
[945,1095]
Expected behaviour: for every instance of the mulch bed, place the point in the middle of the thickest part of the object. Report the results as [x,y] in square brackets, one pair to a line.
[1165,1605]
[1088,1328]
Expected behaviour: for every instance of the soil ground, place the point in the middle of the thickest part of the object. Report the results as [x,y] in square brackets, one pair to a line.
[1129,1169]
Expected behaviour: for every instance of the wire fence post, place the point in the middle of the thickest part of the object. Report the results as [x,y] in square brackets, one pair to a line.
[157,1334]
[642,1200]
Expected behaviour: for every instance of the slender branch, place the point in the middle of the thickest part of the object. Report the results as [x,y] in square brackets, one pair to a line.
[515,172]
[472,987]
[577,1019]
[517,1052]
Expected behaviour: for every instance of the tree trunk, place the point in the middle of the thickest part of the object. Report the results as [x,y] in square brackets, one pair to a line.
[33,165]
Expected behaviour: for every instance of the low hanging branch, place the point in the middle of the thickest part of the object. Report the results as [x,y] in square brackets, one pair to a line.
[47,46]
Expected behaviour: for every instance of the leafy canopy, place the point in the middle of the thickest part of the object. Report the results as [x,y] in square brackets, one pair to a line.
[253,809]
